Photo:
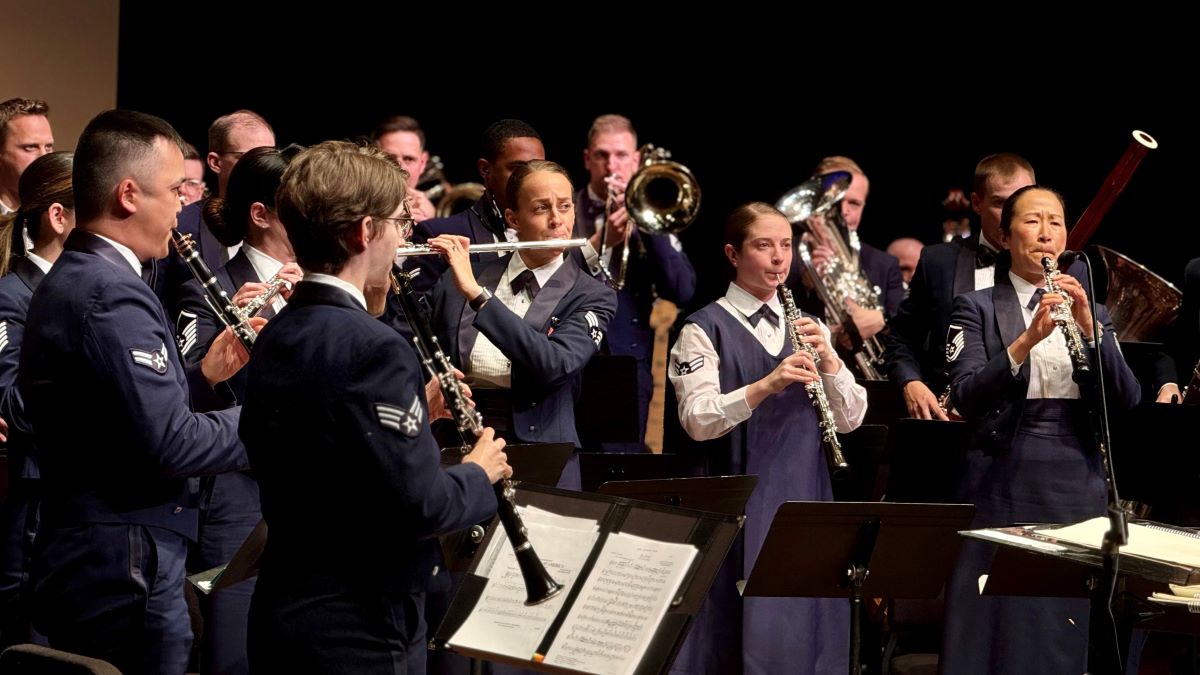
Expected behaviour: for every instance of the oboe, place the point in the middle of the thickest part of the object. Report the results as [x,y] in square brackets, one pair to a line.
[838,468]
[539,586]
[1061,313]
[214,295]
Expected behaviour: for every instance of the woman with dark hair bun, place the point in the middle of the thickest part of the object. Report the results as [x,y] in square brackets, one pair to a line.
[229,503]
[47,213]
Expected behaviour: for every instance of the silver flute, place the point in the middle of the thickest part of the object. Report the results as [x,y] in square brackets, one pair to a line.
[498,247]
[1061,313]
[274,285]
[838,467]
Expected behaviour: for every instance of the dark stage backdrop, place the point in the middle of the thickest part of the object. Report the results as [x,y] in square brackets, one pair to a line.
[750,121]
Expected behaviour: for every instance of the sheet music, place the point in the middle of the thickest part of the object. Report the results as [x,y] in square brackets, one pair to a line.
[500,622]
[621,604]
[1158,542]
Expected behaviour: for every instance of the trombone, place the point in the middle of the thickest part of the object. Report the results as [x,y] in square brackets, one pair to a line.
[662,197]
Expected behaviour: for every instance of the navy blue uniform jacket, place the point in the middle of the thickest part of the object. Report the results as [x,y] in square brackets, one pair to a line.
[106,390]
[337,428]
[548,347]
[986,392]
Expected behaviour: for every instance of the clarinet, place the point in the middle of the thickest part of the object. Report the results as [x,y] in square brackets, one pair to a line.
[214,295]
[539,585]
[1061,313]
[838,468]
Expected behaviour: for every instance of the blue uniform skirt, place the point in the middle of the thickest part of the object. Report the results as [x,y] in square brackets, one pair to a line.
[1052,474]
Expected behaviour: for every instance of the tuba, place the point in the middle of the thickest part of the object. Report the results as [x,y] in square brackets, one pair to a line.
[842,278]
[662,197]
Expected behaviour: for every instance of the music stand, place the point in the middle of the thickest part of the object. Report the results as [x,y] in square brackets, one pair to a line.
[532,463]
[597,468]
[711,533]
[719,494]
[540,463]
[926,456]
[865,450]
[605,412]
[1174,494]
[876,549]
[885,402]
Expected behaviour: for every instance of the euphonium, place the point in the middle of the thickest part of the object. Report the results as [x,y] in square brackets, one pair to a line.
[1061,313]
[539,585]
[838,468]
[841,278]
[662,197]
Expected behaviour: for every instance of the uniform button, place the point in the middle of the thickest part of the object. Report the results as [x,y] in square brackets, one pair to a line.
[435,570]
[178,509]
[532,427]
[633,320]
[994,435]
[533,404]
[633,345]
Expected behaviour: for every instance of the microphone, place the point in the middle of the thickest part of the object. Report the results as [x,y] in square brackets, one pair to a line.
[1068,258]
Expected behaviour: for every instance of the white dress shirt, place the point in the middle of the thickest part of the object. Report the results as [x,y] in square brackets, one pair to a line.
[985,277]
[1049,361]
[126,253]
[706,412]
[489,367]
[42,263]
[330,280]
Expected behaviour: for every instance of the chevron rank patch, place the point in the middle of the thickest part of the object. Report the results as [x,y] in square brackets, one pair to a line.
[955,341]
[154,360]
[686,368]
[407,422]
[185,332]
[3,335]
[594,327]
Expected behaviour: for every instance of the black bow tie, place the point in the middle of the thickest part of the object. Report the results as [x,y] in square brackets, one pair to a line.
[984,257]
[763,312]
[1036,299]
[525,281]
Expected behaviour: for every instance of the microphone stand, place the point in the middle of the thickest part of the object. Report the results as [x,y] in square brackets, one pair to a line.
[1104,642]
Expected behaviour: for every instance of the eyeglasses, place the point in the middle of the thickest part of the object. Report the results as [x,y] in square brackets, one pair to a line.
[403,223]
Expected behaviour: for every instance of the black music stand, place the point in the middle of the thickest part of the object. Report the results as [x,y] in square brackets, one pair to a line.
[866,549]
[865,450]
[711,533]
[1023,567]
[540,463]
[597,468]
[605,411]
[1168,477]
[885,402]
[532,463]
[926,456]
[719,494]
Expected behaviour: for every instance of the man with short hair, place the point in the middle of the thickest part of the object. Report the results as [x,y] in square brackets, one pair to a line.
[915,346]
[229,137]
[657,266]
[908,251]
[504,144]
[24,136]
[401,137]
[337,424]
[118,511]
